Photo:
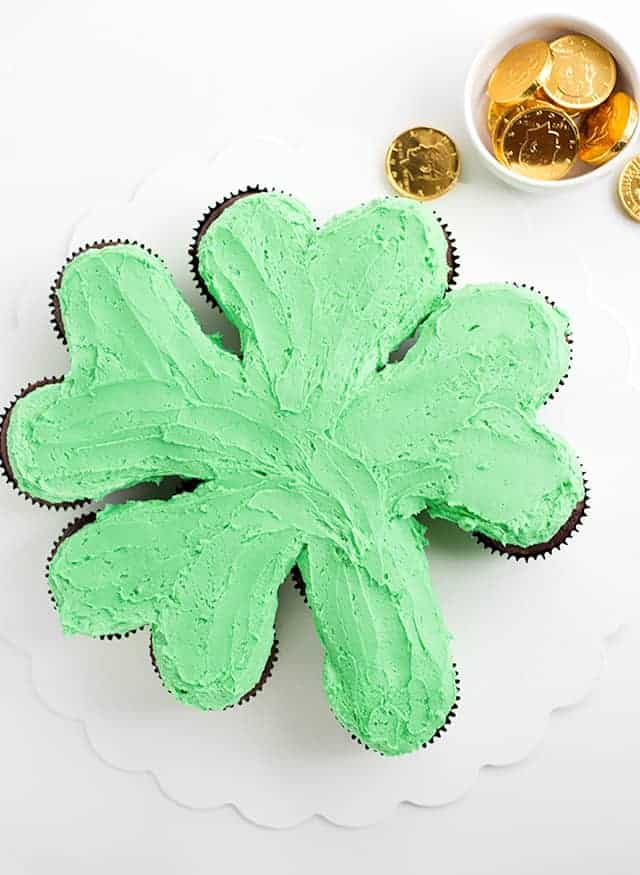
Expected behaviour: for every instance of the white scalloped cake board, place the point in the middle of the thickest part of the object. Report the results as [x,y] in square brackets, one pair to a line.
[527,637]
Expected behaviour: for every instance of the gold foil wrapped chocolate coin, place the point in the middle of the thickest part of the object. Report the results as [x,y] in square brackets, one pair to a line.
[540,142]
[520,73]
[583,73]
[629,187]
[422,163]
[494,113]
[502,116]
[608,128]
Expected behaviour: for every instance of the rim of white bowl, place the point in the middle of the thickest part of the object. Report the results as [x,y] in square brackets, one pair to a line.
[572,23]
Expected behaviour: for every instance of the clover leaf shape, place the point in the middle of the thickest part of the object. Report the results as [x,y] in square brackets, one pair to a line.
[310,449]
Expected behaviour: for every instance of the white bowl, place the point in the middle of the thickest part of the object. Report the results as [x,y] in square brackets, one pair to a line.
[476,102]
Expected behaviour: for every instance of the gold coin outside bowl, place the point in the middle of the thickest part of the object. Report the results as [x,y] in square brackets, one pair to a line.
[629,187]
[540,141]
[583,73]
[422,163]
[520,73]
[608,128]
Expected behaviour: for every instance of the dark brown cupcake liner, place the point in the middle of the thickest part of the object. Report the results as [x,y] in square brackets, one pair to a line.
[54,300]
[298,583]
[438,734]
[267,671]
[7,471]
[537,551]
[188,485]
[453,257]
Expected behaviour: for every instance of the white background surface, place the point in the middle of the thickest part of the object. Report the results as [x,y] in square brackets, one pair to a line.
[93,98]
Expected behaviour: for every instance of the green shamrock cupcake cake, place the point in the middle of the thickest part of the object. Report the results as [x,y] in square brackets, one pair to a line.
[310,450]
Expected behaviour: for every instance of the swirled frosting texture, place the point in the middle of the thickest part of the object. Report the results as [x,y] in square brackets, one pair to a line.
[313,450]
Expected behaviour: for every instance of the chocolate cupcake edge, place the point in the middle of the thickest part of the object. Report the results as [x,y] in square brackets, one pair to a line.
[5,462]
[437,735]
[74,526]
[55,309]
[544,549]
[267,671]
[202,226]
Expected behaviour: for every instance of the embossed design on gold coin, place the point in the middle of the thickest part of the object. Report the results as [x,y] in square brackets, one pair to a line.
[629,187]
[503,115]
[520,73]
[422,163]
[540,142]
[583,72]
[608,128]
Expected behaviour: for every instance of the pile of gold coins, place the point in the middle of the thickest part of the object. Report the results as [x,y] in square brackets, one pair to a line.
[553,104]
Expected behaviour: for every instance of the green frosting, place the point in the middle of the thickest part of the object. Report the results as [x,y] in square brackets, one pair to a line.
[313,450]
